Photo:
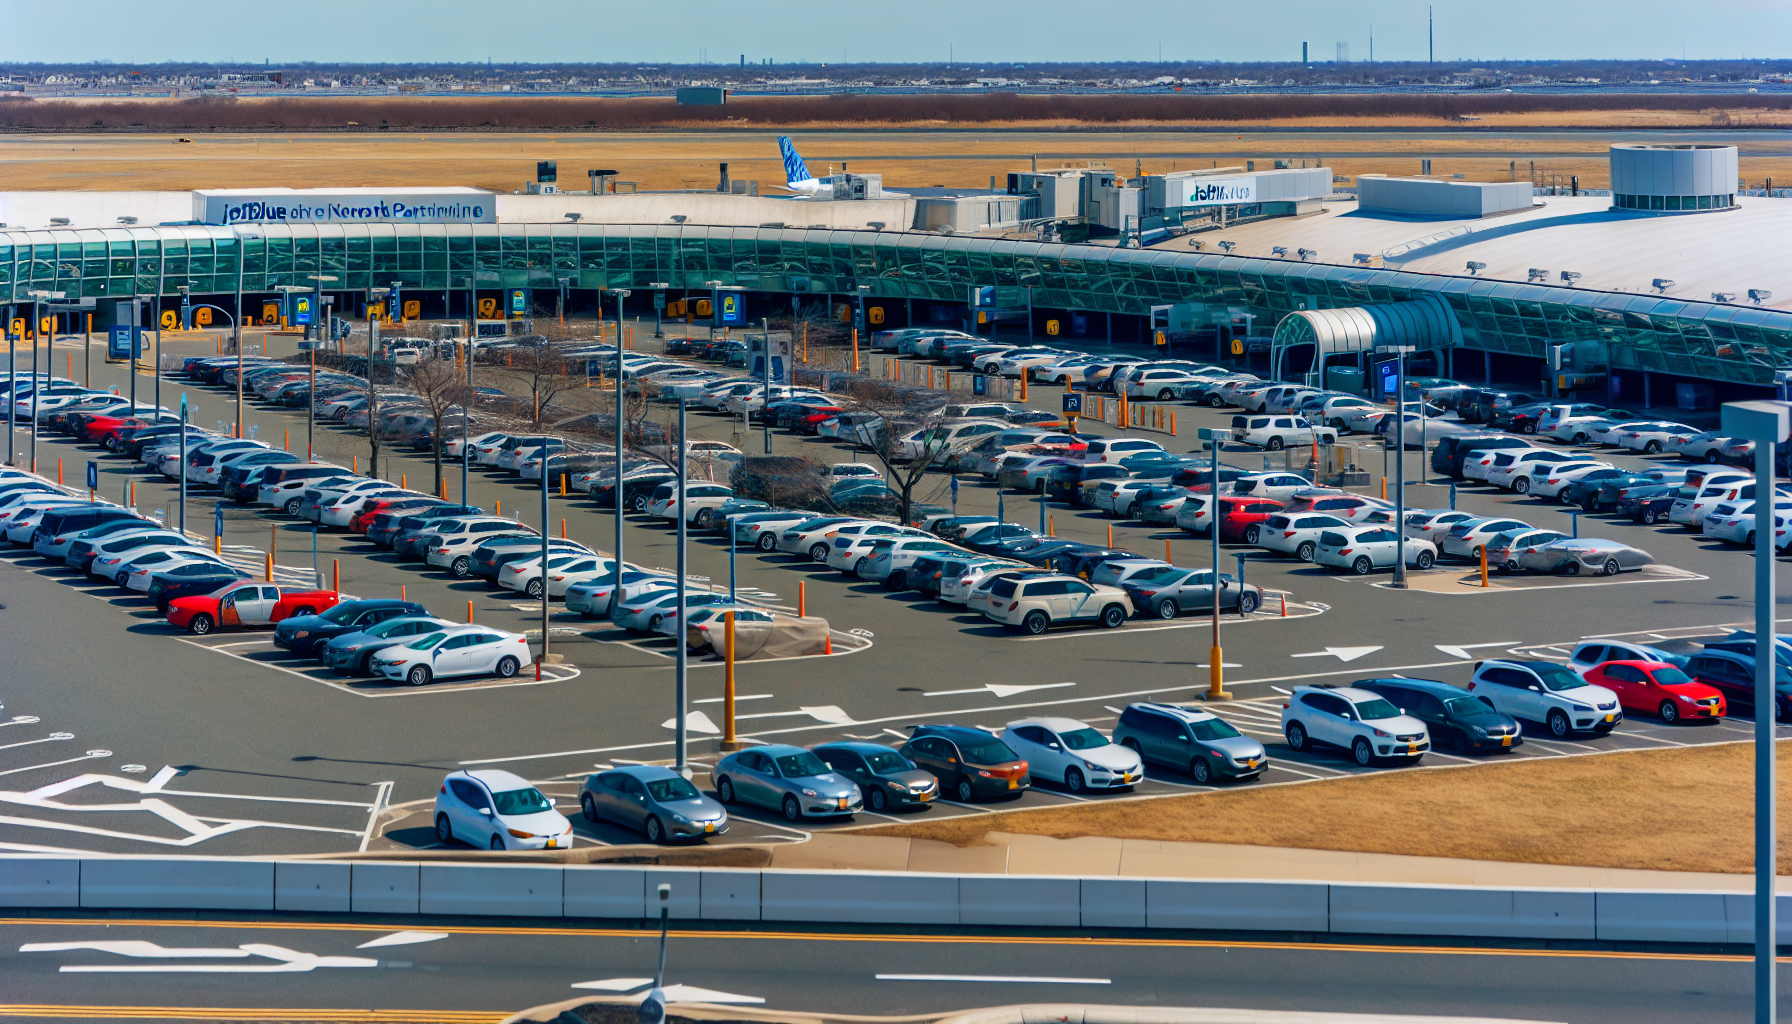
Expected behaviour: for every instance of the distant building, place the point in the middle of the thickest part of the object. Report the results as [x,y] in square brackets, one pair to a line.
[1343,53]
[701,96]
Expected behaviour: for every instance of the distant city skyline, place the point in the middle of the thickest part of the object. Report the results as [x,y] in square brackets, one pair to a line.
[967,32]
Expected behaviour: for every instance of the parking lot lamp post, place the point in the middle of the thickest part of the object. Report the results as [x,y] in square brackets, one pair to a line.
[1397,437]
[616,587]
[38,298]
[1764,423]
[731,547]
[679,737]
[12,378]
[183,464]
[659,307]
[319,336]
[1214,437]
[374,297]
[545,581]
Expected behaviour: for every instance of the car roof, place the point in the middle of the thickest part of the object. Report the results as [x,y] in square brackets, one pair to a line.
[1431,686]
[497,779]
[953,732]
[1187,714]
[780,749]
[644,772]
[1349,693]
[857,747]
[1054,724]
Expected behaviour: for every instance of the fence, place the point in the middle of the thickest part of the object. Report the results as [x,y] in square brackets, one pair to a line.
[549,890]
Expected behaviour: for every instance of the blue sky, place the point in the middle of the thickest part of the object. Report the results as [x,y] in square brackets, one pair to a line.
[790,31]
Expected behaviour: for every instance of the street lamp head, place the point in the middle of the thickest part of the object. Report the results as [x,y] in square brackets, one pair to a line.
[1215,434]
[1764,422]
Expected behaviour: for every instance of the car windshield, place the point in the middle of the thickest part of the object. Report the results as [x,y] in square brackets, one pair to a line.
[800,766]
[885,763]
[1084,739]
[674,788]
[1371,710]
[1671,676]
[340,614]
[1465,707]
[992,752]
[1556,678]
[521,801]
[427,643]
[1212,729]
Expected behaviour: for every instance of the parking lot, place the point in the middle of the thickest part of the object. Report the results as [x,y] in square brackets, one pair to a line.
[226,744]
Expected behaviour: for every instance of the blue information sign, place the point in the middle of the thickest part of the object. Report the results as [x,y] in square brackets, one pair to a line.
[729,309]
[124,342]
[93,475]
[1073,402]
[301,309]
[979,386]
[218,520]
[519,301]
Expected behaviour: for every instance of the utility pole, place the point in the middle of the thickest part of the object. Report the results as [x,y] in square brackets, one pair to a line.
[374,295]
[680,740]
[616,588]
[1430,37]
[1216,671]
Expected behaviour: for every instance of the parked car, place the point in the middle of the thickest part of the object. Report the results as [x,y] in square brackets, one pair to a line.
[787,779]
[1659,688]
[1068,752]
[1455,720]
[1293,534]
[971,764]
[305,634]
[246,605]
[653,799]
[1038,603]
[1364,549]
[1546,692]
[885,778]
[1190,739]
[1585,555]
[1170,591]
[469,650]
[347,654]
[1360,721]
[492,809]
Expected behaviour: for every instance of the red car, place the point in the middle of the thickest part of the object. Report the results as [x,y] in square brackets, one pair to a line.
[363,520]
[250,604]
[1239,512]
[106,430]
[1658,688]
[811,423]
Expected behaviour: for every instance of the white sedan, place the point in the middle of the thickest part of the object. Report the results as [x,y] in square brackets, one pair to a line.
[470,650]
[1068,752]
[564,569]
[135,573]
[1550,488]
[1296,535]
[492,809]
[1515,468]
[1364,549]
[1648,438]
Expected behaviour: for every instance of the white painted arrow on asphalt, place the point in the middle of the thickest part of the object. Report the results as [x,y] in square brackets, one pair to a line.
[999,689]
[1461,650]
[1340,653]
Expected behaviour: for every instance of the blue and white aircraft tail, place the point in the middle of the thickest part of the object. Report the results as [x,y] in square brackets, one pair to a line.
[798,179]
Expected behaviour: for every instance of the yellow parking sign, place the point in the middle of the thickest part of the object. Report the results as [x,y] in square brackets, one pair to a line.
[1051,327]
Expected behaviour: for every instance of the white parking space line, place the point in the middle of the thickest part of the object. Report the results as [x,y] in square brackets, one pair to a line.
[967,807]
[1276,767]
[1654,739]
[737,697]
[1559,753]
[1451,757]
[550,674]
[1062,796]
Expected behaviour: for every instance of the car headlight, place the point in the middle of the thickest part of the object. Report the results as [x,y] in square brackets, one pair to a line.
[521,835]
[897,786]
[301,633]
[1685,698]
[681,819]
[810,792]
[1382,734]
[1479,731]
[1092,766]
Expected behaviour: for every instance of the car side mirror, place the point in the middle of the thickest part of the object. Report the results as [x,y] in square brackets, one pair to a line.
[1534,687]
[1054,746]
[487,811]
[1182,737]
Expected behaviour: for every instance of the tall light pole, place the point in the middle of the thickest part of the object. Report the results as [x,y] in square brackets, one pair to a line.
[679,738]
[318,337]
[1397,437]
[1764,423]
[1213,437]
[466,412]
[374,295]
[616,590]
[863,325]
[12,379]
[659,307]
[38,298]
[546,580]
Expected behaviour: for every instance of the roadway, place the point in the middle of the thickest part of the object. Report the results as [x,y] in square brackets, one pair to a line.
[268,755]
[482,970]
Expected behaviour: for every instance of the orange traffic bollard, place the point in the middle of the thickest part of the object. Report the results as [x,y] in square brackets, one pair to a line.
[1051,526]
[1166,549]
[563,487]
[1284,604]
[268,571]
[133,494]
[336,575]
[500,506]
[354,464]
[401,594]
[1384,488]
[59,472]
[404,481]
[728,668]
[1484,565]
[562,529]
[1110,535]
[829,648]
[289,439]
[469,612]
[1172,423]
[802,599]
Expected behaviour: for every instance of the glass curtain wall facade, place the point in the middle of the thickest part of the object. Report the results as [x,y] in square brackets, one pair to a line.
[1740,344]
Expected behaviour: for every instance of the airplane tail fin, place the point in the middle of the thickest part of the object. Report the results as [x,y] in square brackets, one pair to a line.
[794,169]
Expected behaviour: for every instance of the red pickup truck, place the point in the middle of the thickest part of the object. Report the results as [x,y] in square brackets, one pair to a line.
[250,604]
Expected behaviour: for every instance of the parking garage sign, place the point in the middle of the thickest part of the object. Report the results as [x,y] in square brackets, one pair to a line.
[1218,191]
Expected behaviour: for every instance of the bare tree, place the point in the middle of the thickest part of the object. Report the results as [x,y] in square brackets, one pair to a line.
[901,429]
[441,385]
[545,372]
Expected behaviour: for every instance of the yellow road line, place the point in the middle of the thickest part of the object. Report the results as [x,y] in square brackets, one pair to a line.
[257,1014]
[1013,940]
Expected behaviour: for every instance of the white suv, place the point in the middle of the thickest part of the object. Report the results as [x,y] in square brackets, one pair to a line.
[1361,722]
[1036,603]
[1546,692]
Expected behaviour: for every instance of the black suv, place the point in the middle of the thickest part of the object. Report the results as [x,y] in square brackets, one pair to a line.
[1457,721]
[971,764]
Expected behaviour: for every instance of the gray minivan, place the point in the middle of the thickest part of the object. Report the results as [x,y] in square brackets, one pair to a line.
[58,528]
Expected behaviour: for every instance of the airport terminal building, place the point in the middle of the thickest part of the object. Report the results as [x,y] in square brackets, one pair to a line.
[1650,298]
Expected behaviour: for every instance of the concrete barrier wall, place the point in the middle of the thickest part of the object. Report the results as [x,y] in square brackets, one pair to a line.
[739,894]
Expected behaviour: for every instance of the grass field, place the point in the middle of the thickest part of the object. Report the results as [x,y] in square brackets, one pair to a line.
[688,159]
[1667,810]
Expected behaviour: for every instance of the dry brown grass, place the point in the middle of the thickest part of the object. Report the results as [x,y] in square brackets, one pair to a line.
[1668,810]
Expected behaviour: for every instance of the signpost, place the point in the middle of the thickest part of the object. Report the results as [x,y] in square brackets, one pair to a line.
[1073,407]
[93,478]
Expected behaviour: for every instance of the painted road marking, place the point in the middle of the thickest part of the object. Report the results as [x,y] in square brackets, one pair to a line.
[738,697]
[404,938]
[1461,650]
[289,961]
[999,689]
[999,978]
[1340,653]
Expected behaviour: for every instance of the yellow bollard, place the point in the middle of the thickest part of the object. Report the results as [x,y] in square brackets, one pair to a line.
[1384,488]
[1023,387]
[1051,525]
[500,506]
[728,680]
[217,545]
[443,490]
[1484,565]
[1110,535]
[563,489]
[268,572]
[802,599]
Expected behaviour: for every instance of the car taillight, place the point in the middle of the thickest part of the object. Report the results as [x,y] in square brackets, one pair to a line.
[1014,605]
[1343,551]
[441,551]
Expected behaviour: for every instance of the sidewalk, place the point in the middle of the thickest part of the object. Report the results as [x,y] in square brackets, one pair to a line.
[1096,857]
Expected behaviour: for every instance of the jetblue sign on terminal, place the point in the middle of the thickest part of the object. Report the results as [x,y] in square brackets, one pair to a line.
[1217,191]
[345,206]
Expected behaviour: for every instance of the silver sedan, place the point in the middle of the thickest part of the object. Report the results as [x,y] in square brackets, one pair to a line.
[788,779]
[1584,556]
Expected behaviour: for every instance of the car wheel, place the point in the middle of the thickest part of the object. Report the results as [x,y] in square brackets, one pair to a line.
[497,842]
[122,577]
[461,567]
[1522,485]
[1297,736]
[444,831]
[1669,713]
[858,569]
[589,806]
[876,800]
[818,553]
[1559,726]
[1611,564]
[1073,780]
[1747,543]
[1216,401]
[705,518]
[1113,617]
[1247,603]
[653,624]
[654,831]
[1337,424]
[1425,560]
[1649,517]
[199,625]
[1528,428]
[1571,569]
[1132,508]
[1652,448]
[1509,567]
[1362,753]
[1166,609]
[1712,457]
[418,676]
[533,589]
[725,789]
[1253,533]
[291,507]
[793,811]
[897,580]
[768,542]
[1165,394]
[1305,551]
[1274,444]
[1036,622]
[1362,566]
[507,667]
[965,792]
